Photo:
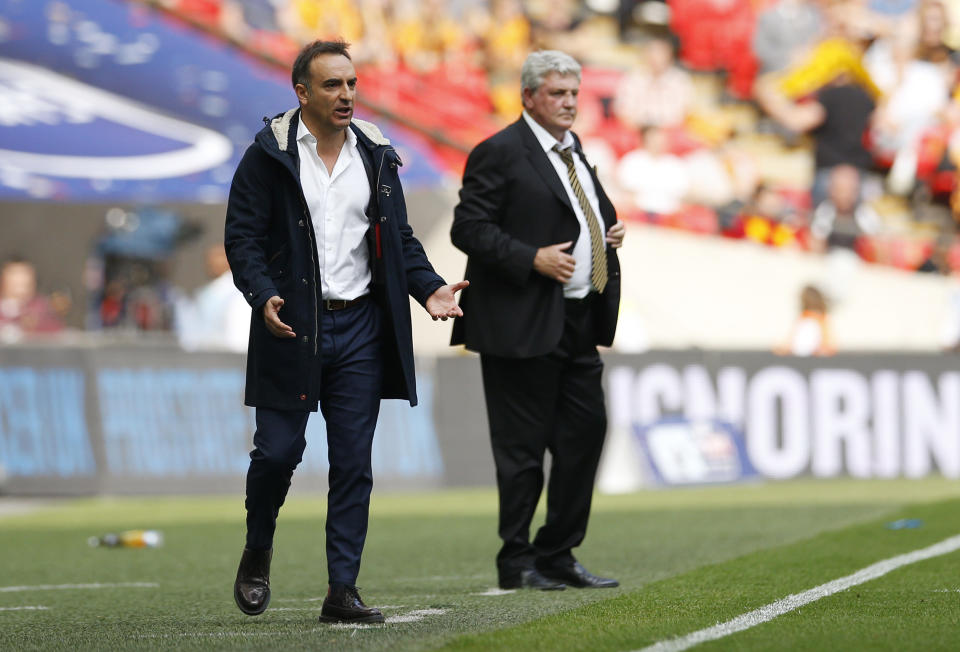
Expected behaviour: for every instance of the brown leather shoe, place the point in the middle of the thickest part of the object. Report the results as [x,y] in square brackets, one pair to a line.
[252,588]
[343,605]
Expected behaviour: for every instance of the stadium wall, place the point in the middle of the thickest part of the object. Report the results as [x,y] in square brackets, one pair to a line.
[152,419]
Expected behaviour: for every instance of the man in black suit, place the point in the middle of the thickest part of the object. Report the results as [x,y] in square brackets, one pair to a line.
[540,235]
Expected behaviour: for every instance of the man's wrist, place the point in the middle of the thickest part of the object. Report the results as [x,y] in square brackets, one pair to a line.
[258,299]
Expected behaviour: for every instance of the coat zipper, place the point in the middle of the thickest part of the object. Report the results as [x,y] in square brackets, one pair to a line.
[313,271]
[380,169]
[376,226]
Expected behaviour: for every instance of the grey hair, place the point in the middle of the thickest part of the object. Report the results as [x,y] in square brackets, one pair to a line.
[541,63]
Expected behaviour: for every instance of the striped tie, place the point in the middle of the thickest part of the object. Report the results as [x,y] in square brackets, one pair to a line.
[598,250]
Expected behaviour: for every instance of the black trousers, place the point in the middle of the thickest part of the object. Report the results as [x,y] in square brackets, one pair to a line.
[350,404]
[551,402]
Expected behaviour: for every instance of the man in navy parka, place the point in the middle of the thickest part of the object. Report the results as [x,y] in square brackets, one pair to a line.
[318,242]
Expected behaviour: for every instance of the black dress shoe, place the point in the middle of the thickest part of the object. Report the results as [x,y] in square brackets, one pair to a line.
[343,605]
[576,575]
[252,588]
[530,579]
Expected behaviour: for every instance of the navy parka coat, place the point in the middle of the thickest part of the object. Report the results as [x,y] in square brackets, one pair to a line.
[271,247]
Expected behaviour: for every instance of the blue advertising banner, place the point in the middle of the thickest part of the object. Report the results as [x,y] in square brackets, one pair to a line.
[170,422]
[43,426]
[110,100]
[161,420]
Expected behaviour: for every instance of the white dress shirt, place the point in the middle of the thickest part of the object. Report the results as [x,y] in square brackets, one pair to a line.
[337,202]
[579,284]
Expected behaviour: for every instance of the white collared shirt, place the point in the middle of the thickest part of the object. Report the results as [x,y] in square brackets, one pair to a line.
[579,284]
[337,202]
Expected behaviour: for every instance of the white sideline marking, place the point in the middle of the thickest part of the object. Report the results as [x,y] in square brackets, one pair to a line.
[797,600]
[33,608]
[415,615]
[496,591]
[412,617]
[59,587]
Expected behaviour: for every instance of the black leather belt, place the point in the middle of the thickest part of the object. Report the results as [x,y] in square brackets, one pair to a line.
[579,306]
[583,301]
[340,304]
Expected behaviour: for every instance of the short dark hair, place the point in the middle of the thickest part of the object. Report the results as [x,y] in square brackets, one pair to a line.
[15,259]
[301,67]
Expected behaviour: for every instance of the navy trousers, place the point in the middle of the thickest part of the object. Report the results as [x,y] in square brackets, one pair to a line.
[350,402]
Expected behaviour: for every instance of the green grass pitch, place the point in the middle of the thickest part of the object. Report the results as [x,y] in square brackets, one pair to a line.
[687,559]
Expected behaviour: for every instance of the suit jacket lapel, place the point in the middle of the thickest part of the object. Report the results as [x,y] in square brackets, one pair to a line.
[538,159]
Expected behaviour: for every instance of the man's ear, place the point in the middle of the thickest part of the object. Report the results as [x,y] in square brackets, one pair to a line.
[303,93]
[526,95]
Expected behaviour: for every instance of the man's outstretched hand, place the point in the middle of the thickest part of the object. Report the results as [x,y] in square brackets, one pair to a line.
[442,304]
[271,315]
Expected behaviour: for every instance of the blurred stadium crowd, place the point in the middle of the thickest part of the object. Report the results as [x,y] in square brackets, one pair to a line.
[796,123]
[812,125]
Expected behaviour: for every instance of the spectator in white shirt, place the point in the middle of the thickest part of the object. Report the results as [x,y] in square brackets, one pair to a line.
[217,317]
[656,179]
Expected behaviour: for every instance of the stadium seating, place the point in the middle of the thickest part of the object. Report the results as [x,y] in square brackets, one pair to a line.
[453,107]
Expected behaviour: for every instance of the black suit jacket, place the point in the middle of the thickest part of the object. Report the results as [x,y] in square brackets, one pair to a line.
[512,203]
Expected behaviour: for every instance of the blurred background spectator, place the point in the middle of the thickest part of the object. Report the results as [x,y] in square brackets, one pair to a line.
[784,32]
[841,219]
[656,178]
[810,335]
[24,312]
[217,317]
[657,93]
